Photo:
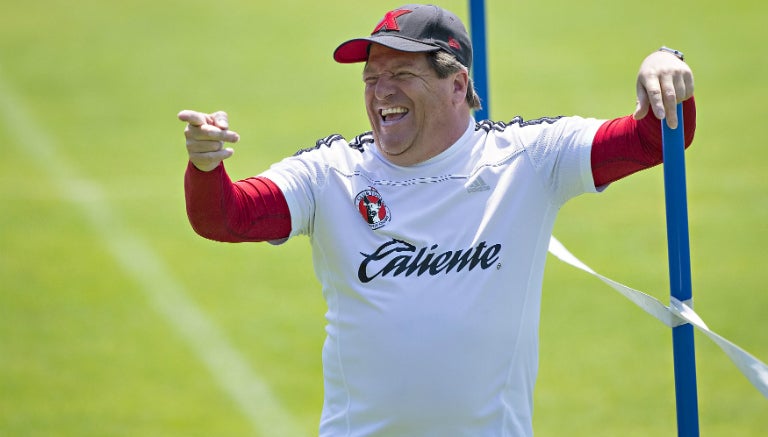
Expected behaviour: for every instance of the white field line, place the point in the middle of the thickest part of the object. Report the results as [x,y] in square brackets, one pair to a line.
[167,295]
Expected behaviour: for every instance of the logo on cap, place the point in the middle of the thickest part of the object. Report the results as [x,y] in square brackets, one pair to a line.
[389,22]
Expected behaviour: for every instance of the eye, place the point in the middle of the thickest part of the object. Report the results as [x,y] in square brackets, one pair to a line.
[403,75]
[370,79]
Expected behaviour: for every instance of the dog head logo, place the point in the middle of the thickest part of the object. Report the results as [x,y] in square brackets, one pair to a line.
[372,208]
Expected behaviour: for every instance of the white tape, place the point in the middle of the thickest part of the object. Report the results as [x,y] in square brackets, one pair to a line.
[678,313]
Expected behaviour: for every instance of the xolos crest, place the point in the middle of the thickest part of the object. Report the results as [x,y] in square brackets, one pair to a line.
[373,209]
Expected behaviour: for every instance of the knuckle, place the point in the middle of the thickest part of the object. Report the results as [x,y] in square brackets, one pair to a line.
[655,95]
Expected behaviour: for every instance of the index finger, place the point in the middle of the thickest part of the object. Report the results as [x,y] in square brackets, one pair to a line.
[194,118]
[651,87]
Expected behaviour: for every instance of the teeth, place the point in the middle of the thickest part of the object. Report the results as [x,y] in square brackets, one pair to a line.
[390,111]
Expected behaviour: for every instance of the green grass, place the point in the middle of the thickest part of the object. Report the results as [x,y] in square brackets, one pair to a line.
[84,353]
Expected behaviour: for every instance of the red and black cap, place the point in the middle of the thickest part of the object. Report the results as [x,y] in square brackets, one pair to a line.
[412,28]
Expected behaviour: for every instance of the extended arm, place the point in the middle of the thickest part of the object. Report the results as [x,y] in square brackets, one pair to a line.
[253,209]
[623,146]
[626,145]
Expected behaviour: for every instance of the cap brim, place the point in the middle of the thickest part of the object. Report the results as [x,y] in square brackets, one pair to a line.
[356,50]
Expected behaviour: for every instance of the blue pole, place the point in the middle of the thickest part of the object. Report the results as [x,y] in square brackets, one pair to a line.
[480,55]
[680,275]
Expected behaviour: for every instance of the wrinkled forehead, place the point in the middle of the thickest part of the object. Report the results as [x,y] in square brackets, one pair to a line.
[385,58]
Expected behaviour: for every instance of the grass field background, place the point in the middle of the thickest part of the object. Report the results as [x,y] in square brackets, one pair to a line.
[113,312]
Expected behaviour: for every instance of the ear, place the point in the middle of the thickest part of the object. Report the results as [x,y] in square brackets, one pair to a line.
[460,85]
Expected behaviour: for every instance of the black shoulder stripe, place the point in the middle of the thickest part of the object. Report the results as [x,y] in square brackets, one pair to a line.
[328,141]
[361,140]
[500,126]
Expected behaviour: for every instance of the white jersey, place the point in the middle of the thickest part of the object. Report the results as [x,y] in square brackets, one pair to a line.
[432,273]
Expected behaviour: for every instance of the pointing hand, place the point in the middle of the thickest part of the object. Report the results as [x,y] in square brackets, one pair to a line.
[206,135]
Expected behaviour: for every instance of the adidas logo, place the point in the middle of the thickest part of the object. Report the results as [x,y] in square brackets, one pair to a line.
[477,185]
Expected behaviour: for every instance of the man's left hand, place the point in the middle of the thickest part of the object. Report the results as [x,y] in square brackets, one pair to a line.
[663,81]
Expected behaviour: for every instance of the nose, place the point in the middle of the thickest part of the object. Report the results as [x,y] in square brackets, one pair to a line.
[383,88]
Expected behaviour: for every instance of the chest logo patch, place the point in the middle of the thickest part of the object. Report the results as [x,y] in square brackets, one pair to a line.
[373,209]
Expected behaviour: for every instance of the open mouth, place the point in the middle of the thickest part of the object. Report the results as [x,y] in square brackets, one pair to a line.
[393,114]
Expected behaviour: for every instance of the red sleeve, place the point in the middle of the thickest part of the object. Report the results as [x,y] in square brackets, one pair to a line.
[623,146]
[253,209]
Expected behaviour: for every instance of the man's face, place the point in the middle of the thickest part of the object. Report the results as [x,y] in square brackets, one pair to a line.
[412,112]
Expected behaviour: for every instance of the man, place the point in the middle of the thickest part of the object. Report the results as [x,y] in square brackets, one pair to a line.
[430,233]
